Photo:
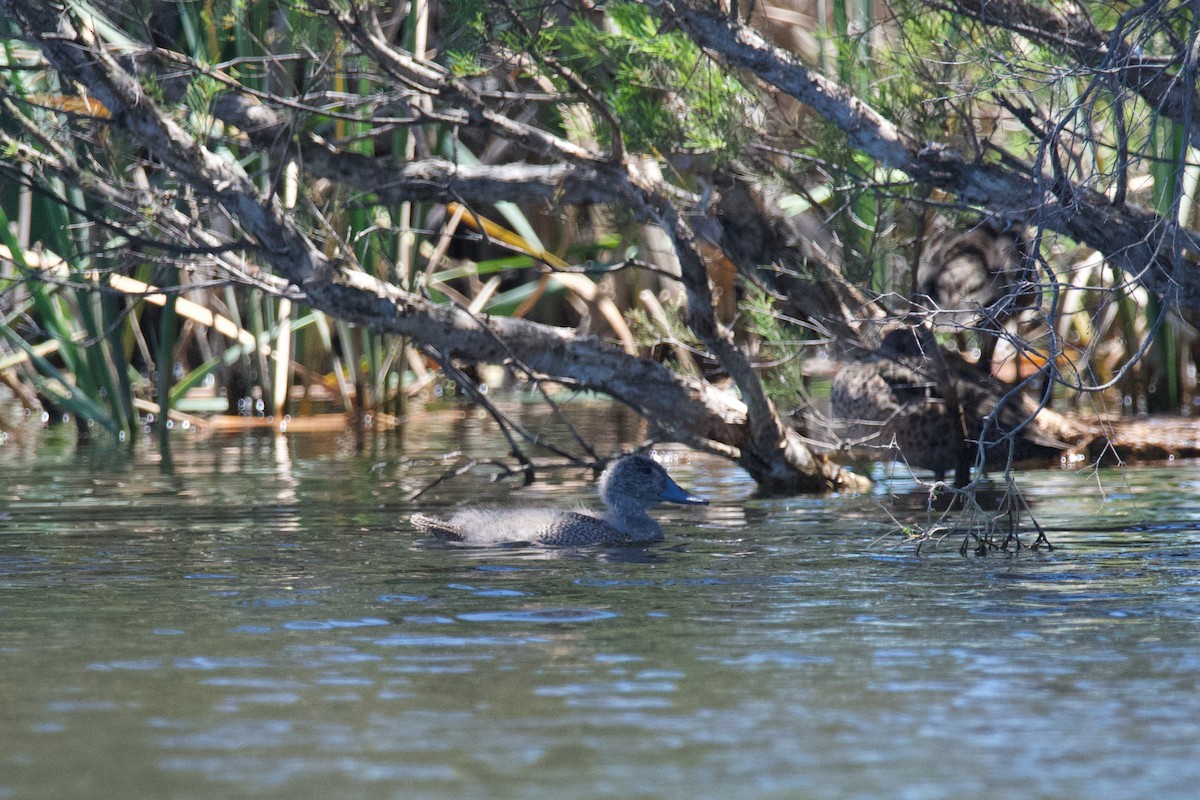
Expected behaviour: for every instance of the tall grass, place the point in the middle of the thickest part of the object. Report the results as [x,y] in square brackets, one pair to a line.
[86,346]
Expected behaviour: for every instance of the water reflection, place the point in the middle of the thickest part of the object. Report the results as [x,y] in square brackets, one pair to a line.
[262,623]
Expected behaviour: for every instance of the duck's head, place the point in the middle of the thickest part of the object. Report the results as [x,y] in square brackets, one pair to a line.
[640,479]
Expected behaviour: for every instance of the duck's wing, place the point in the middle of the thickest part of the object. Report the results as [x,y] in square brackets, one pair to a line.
[577,529]
[446,531]
[906,382]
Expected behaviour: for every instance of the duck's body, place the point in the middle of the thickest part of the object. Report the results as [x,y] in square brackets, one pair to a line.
[629,487]
[894,402]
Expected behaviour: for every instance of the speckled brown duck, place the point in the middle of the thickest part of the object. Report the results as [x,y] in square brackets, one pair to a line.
[628,488]
[965,276]
[976,279]
[899,402]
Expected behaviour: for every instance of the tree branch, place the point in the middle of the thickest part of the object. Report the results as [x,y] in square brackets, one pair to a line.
[1073,33]
[1159,253]
[679,408]
[767,451]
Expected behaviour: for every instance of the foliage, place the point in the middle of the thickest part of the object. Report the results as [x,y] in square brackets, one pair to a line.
[106,334]
[666,94]
[780,348]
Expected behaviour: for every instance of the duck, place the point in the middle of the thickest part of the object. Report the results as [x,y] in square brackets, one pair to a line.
[905,399]
[628,487]
[964,275]
[976,280]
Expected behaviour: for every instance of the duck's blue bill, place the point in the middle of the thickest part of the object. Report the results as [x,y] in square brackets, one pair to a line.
[675,494]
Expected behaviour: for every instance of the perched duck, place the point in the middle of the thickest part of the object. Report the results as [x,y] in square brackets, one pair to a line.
[966,275]
[976,279]
[896,400]
[628,487]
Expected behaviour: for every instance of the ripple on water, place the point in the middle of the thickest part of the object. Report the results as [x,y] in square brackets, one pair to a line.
[135,664]
[73,706]
[775,659]
[433,641]
[323,655]
[625,695]
[540,615]
[1016,611]
[428,619]
[206,663]
[486,592]
[395,599]
[275,602]
[273,773]
[246,682]
[213,663]
[233,705]
[606,583]
[331,624]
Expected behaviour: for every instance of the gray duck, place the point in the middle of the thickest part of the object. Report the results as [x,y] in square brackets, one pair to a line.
[629,486]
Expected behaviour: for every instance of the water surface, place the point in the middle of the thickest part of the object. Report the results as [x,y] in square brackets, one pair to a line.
[264,623]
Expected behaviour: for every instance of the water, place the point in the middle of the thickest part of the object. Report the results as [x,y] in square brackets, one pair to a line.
[263,623]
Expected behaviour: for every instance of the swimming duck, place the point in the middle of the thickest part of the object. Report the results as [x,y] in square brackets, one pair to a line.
[628,487]
[895,399]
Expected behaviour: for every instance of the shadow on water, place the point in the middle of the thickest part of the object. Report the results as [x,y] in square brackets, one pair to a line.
[264,622]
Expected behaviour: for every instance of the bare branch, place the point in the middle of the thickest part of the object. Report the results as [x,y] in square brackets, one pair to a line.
[1070,31]
[1162,255]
